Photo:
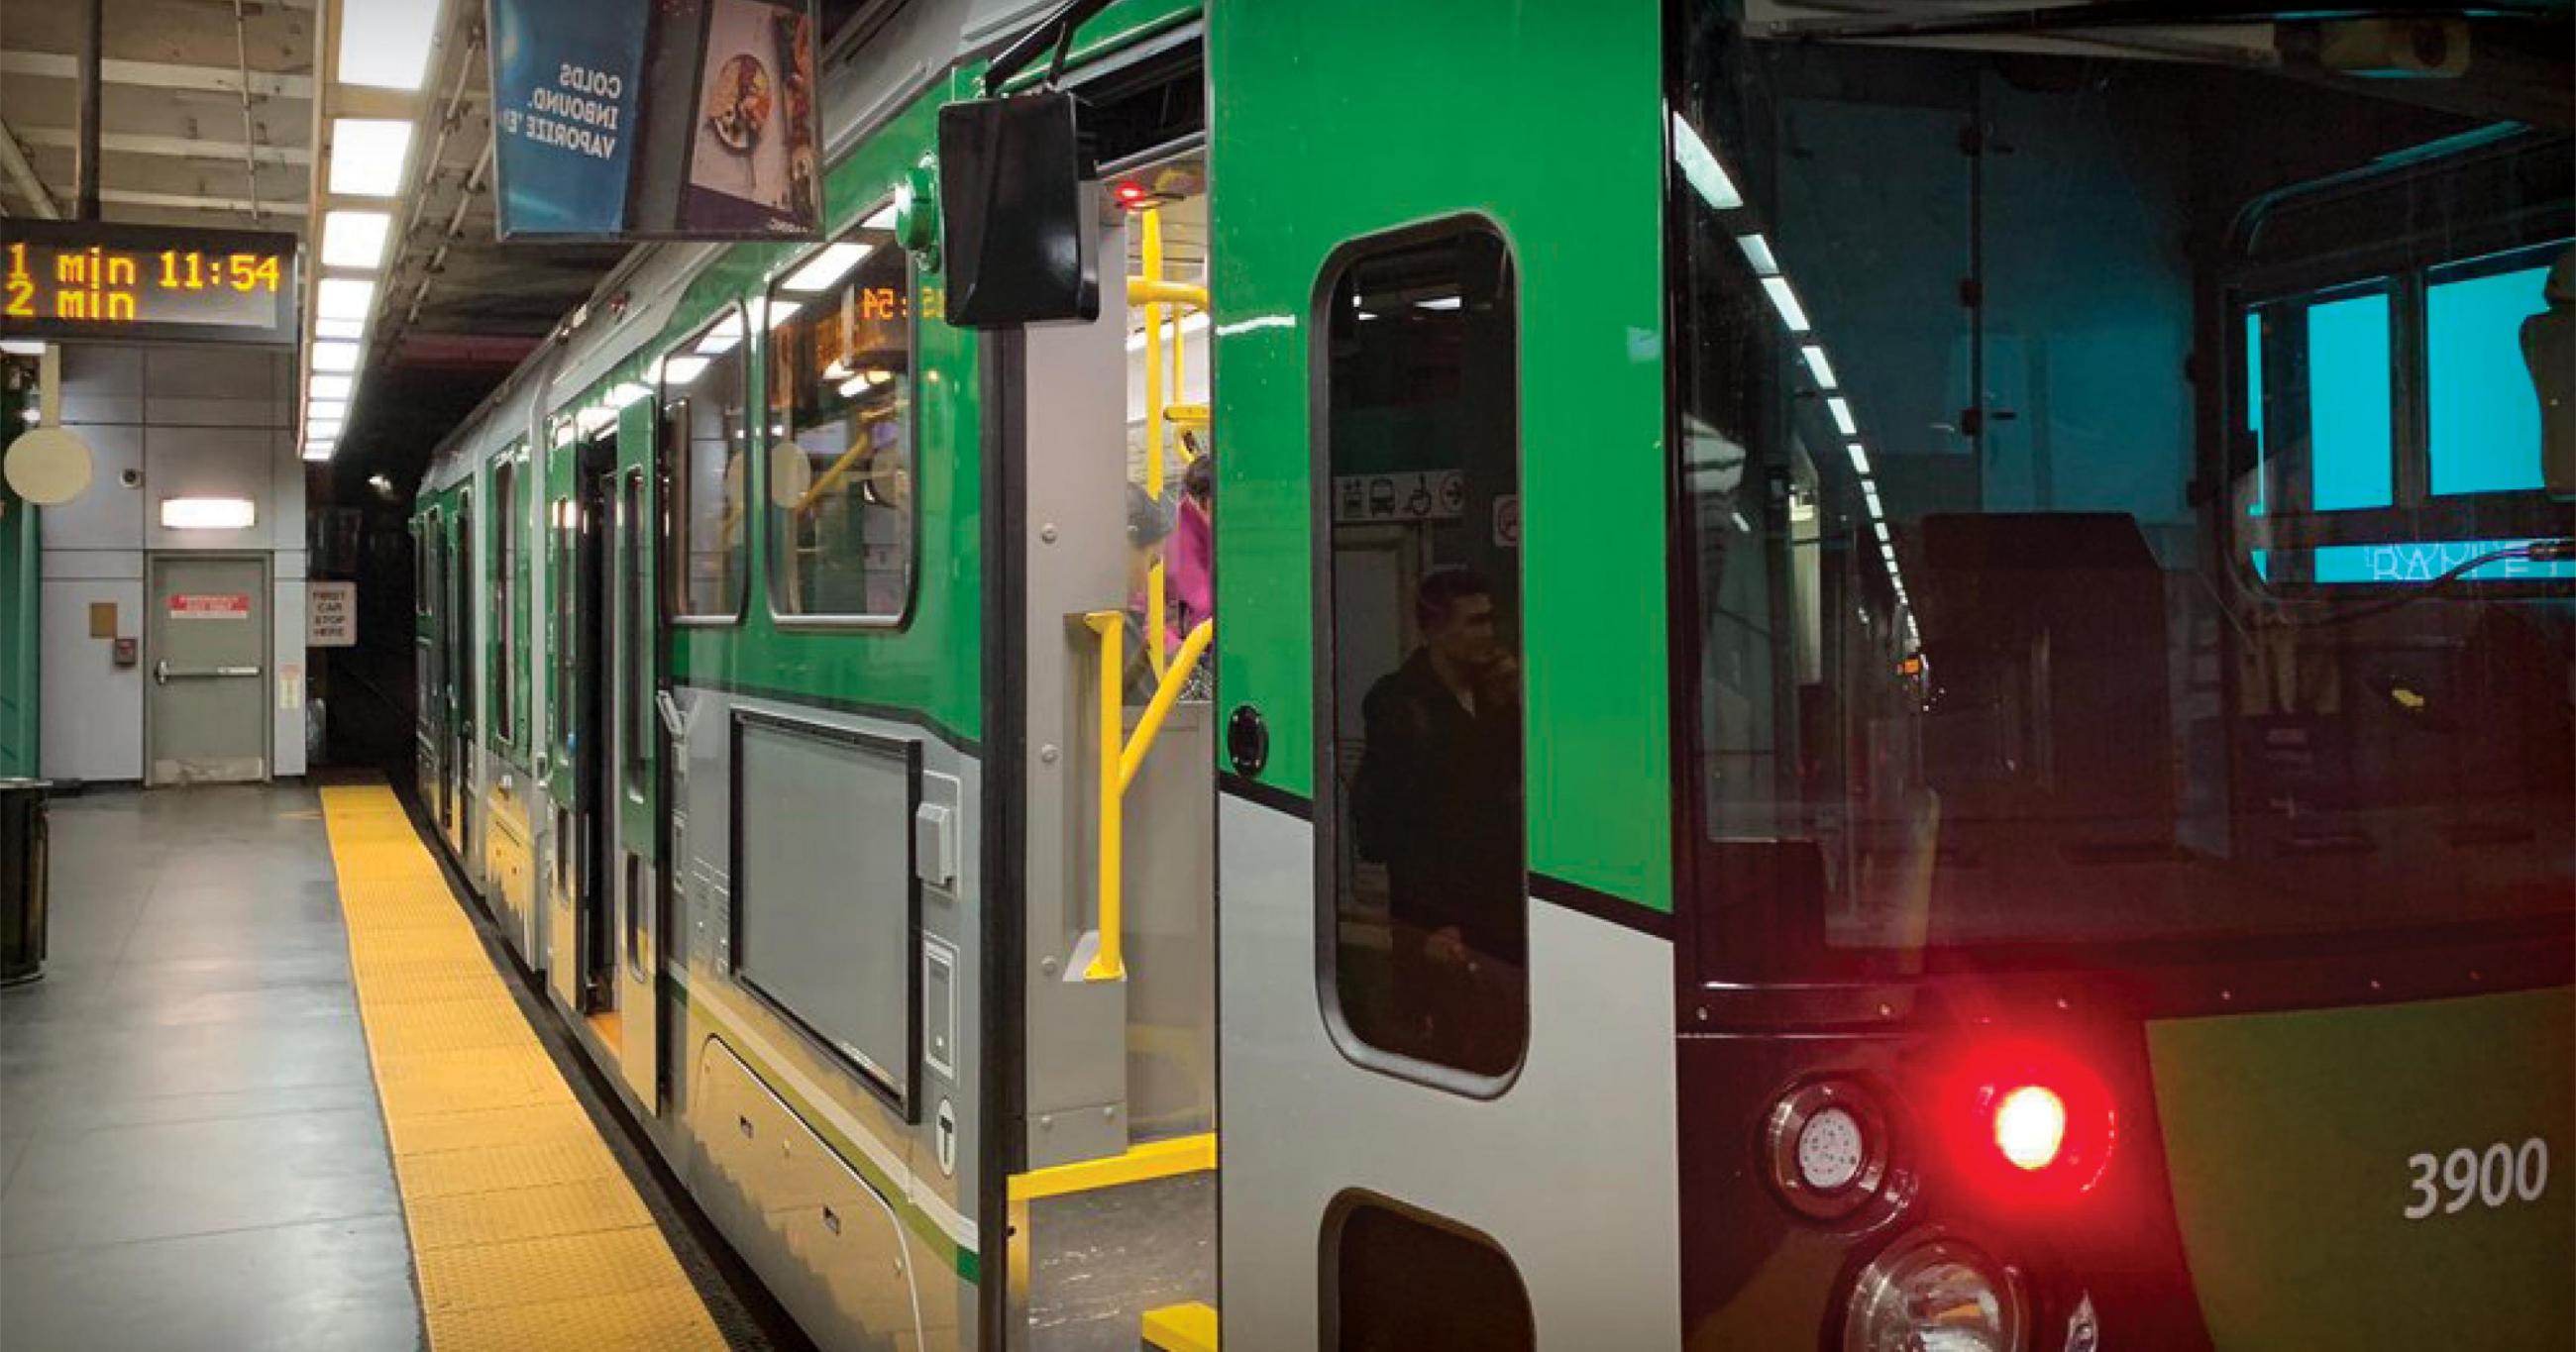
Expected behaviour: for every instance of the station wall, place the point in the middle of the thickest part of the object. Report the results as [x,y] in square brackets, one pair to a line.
[165,422]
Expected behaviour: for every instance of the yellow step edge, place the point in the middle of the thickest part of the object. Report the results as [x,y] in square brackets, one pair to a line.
[1181,1328]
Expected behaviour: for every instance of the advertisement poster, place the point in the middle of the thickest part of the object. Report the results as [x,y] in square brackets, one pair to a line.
[656,119]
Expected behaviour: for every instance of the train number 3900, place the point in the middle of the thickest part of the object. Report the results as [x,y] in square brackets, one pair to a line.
[2501,1173]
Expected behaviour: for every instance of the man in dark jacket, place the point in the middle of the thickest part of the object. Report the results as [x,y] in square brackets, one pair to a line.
[1438,801]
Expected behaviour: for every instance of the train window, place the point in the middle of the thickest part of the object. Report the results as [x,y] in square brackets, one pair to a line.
[704,442]
[841,513]
[634,646]
[1396,1279]
[2017,635]
[2482,402]
[1420,714]
[505,597]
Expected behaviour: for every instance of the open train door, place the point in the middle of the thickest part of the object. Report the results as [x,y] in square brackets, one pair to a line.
[1446,1028]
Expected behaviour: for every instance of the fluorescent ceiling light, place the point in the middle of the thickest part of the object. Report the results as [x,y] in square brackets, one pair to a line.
[593,419]
[345,298]
[385,44]
[1859,459]
[23,347]
[1439,303]
[825,268]
[368,153]
[1841,409]
[331,387]
[1817,366]
[772,313]
[354,239]
[1757,251]
[207,513]
[319,409]
[320,450]
[339,328]
[683,370]
[1785,301]
[1701,170]
[333,355]
[325,428]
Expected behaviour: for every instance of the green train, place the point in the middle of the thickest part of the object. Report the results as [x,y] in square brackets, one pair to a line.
[1873,677]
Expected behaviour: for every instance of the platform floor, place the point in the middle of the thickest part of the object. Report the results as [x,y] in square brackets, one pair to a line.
[193,1142]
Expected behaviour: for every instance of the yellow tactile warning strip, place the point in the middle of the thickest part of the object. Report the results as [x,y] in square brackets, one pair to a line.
[525,1232]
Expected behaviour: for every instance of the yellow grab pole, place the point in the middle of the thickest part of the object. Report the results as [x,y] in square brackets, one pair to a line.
[1152,219]
[1109,962]
[1167,692]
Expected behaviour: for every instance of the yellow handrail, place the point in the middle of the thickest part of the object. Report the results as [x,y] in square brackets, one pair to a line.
[1109,963]
[1153,250]
[1151,289]
[1194,414]
[1120,759]
[1167,692]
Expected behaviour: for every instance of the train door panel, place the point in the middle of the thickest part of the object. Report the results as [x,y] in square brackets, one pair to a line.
[434,712]
[592,951]
[635,876]
[1443,842]
[462,681]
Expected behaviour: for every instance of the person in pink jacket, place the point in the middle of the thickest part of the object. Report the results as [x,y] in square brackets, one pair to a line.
[1192,555]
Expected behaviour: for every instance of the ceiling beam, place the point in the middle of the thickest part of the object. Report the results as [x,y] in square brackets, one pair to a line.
[197,202]
[158,75]
[13,160]
[173,147]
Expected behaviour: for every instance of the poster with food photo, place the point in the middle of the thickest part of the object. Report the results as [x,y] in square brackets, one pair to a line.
[755,157]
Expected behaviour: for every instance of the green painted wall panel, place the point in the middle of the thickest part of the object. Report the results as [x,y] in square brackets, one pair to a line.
[21,613]
[1335,119]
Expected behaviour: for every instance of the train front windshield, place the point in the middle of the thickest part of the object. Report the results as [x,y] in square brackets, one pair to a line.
[2126,479]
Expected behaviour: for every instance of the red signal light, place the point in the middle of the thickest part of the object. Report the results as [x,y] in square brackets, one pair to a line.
[2031,1120]
[2030,1126]
[1130,194]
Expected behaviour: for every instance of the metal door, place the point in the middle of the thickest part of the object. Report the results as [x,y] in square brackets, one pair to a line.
[464,665]
[208,640]
[437,773]
[1442,859]
[636,877]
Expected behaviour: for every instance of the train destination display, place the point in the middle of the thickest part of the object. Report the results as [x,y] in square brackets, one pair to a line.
[85,279]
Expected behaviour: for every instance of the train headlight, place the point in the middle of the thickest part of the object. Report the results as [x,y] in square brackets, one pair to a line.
[1828,1145]
[1933,1293]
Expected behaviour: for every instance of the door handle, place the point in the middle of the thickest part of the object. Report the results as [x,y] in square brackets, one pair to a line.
[162,672]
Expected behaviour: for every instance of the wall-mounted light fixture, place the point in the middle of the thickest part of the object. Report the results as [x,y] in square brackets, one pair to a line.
[207,513]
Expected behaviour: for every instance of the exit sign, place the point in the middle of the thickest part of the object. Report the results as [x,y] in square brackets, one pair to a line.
[87,279]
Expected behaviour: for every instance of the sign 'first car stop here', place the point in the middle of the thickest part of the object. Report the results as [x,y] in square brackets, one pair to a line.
[330,614]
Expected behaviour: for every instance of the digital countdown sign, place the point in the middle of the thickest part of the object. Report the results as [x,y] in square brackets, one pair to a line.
[69,280]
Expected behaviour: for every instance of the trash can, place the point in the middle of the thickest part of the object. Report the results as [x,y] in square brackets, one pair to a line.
[22,880]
